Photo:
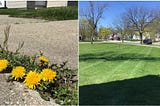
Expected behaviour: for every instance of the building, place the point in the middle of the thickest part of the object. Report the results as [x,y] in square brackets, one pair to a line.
[36,4]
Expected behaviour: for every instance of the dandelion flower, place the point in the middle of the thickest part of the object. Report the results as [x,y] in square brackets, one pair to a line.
[48,75]
[44,59]
[3,64]
[18,72]
[32,79]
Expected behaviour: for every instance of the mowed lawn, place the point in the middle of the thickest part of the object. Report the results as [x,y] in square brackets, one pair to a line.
[119,74]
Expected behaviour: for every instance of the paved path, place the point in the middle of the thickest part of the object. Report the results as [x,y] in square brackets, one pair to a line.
[56,39]
[155,44]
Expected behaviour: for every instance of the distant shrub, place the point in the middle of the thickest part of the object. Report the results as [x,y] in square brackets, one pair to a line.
[53,13]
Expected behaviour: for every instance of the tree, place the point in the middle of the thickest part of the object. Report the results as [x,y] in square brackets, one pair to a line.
[93,14]
[104,32]
[139,18]
[84,29]
[154,28]
[121,27]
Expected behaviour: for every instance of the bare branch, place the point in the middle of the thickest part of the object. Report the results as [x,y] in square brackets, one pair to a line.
[139,18]
[93,14]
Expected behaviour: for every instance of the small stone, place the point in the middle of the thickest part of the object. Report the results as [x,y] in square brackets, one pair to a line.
[17,103]
[11,103]
[12,91]
[7,103]
[25,102]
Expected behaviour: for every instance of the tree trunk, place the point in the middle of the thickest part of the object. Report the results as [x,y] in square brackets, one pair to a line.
[92,38]
[122,37]
[5,5]
[141,40]
[122,40]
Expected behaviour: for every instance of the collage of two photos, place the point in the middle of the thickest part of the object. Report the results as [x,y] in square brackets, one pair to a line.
[39,53]
[79,52]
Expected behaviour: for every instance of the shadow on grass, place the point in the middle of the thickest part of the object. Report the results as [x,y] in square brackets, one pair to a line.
[114,56]
[137,91]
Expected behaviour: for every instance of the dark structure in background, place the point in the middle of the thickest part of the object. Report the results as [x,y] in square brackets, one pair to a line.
[36,4]
[5,6]
[43,4]
[147,41]
[72,3]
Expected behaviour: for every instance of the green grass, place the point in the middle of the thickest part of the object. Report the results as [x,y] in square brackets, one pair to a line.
[119,74]
[53,13]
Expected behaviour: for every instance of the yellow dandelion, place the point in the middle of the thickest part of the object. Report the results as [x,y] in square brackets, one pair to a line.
[3,64]
[18,72]
[48,75]
[44,59]
[32,79]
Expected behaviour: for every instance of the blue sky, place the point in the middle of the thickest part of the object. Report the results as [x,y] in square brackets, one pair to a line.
[116,8]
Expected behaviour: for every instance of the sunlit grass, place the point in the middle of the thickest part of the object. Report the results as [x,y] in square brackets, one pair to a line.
[114,74]
[103,62]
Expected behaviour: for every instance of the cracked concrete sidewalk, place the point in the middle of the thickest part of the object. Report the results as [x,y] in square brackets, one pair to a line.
[58,40]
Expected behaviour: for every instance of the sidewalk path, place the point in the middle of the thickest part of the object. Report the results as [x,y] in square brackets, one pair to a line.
[56,39]
[155,44]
